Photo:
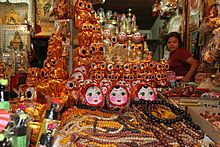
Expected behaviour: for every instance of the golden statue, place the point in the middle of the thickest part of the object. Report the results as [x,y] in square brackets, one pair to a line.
[16,43]
[12,18]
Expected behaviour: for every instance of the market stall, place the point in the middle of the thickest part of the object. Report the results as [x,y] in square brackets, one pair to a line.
[99,85]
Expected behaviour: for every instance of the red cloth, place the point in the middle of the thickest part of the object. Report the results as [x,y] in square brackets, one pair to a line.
[177,61]
[14,80]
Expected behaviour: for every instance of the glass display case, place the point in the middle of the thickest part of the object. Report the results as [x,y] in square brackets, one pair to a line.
[17,19]
[17,12]
[14,47]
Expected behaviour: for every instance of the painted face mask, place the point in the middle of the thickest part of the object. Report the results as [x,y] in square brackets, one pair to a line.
[146,93]
[78,76]
[137,37]
[105,85]
[143,91]
[118,96]
[93,96]
[81,68]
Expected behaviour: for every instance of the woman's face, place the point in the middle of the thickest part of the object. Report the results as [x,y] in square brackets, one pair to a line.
[172,44]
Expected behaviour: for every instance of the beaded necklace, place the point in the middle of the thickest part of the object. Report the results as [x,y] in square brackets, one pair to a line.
[150,106]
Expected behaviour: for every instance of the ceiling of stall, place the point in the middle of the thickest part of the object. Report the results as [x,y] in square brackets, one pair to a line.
[141,8]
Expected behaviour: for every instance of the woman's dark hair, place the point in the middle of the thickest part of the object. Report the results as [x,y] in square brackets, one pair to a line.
[174,34]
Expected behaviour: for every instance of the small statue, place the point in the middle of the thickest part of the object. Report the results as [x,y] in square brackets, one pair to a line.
[25,19]
[16,43]
[12,18]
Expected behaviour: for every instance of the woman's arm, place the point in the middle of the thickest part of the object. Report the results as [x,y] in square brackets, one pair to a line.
[194,64]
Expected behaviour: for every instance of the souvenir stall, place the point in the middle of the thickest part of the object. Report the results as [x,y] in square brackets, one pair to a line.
[98,86]
[200,33]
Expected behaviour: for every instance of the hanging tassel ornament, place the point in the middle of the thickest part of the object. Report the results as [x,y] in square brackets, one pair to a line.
[156,8]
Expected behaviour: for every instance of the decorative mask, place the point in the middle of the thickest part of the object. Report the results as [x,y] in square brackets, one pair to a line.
[103,66]
[114,40]
[82,5]
[117,97]
[122,38]
[55,52]
[139,76]
[99,75]
[84,51]
[110,67]
[107,34]
[71,84]
[59,63]
[163,80]
[137,37]
[85,36]
[98,48]
[27,92]
[79,5]
[143,66]
[88,81]
[113,76]
[31,93]
[137,51]
[82,12]
[127,67]
[81,68]
[159,66]
[121,82]
[78,76]
[44,73]
[92,95]
[33,73]
[135,67]
[152,65]
[147,77]
[137,47]
[105,84]
[59,73]
[143,91]
[97,34]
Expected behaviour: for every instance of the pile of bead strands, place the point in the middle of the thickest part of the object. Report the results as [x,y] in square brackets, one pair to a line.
[96,130]
[128,127]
